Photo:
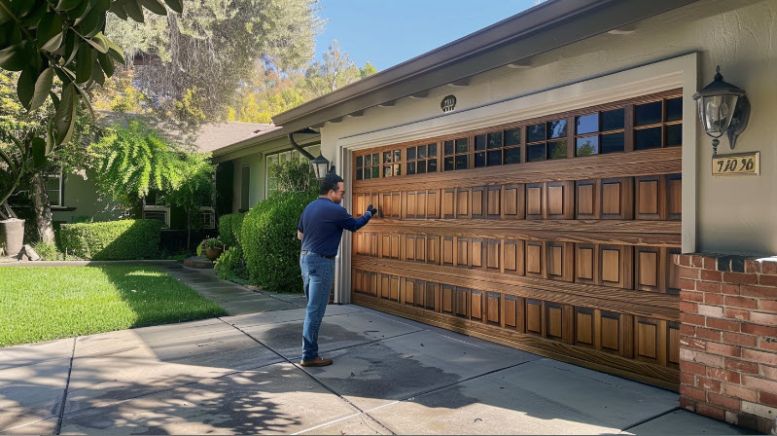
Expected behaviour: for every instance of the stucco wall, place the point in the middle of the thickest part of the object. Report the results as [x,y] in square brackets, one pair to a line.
[80,193]
[734,214]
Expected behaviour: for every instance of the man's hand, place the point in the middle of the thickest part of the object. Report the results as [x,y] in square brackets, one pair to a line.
[299,235]
[371,210]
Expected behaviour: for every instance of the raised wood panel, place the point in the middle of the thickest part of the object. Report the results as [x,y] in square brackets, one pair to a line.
[617,199]
[410,245]
[447,299]
[462,203]
[409,292]
[587,199]
[493,202]
[585,263]
[449,203]
[433,204]
[513,200]
[534,196]
[560,200]
[511,311]
[514,257]
[610,332]
[560,260]
[447,251]
[478,200]
[395,246]
[673,353]
[584,326]
[646,340]
[650,198]
[395,288]
[647,267]
[534,317]
[385,245]
[492,254]
[555,325]
[534,259]
[412,205]
[433,297]
[672,272]
[675,196]
[462,303]
[462,253]
[616,266]
[476,311]
[476,253]
[493,309]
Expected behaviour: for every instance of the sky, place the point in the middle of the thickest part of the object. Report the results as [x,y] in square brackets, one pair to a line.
[388,32]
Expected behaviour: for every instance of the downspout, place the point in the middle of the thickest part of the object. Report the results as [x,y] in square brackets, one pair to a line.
[299,147]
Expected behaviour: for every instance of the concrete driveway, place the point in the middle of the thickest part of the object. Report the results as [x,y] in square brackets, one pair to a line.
[238,374]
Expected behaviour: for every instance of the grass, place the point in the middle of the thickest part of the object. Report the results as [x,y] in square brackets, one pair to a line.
[44,303]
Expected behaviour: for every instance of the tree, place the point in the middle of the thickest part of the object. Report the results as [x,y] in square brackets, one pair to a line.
[192,65]
[334,71]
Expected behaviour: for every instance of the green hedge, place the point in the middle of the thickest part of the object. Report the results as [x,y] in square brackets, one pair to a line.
[112,240]
[229,228]
[269,241]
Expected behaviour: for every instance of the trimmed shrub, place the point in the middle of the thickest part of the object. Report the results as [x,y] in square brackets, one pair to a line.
[112,240]
[229,228]
[269,241]
[231,266]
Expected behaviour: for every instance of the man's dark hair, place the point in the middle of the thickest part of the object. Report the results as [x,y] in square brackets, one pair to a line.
[329,183]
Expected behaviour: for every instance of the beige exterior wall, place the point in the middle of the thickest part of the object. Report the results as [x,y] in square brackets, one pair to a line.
[80,193]
[721,214]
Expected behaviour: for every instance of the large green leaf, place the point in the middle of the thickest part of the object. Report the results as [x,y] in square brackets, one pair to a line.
[91,22]
[14,58]
[50,32]
[67,5]
[72,45]
[42,88]
[106,63]
[176,5]
[65,116]
[118,9]
[115,51]
[134,10]
[99,42]
[84,62]
[25,87]
[154,6]
[97,74]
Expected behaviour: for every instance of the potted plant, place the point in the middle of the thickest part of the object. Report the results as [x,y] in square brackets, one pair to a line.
[11,236]
[213,248]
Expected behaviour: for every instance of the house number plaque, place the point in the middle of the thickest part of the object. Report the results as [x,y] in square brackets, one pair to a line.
[736,164]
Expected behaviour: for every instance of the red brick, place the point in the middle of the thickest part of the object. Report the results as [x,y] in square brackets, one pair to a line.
[691,296]
[688,307]
[711,411]
[763,318]
[709,334]
[686,284]
[769,267]
[768,372]
[760,356]
[751,266]
[729,289]
[715,299]
[768,344]
[688,367]
[739,314]
[723,324]
[738,391]
[728,403]
[749,303]
[688,273]
[697,261]
[723,349]
[768,398]
[710,360]
[687,379]
[768,305]
[692,343]
[692,318]
[710,263]
[723,375]
[741,278]
[741,366]
[688,404]
[680,260]
[693,393]
[687,330]
[757,329]
[708,287]
[758,291]
[740,339]
[768,280]
[707,310]
[713,276]
[760,384]
[708,384]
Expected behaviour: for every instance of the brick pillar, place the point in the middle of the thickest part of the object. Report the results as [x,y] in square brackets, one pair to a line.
[728,338]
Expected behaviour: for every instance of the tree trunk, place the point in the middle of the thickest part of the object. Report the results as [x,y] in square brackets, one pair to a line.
[44,220]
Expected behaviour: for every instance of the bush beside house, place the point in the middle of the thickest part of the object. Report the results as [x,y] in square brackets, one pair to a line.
[269,242]
[112,240]
[229,228]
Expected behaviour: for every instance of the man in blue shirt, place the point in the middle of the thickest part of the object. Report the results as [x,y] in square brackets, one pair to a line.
[320,229]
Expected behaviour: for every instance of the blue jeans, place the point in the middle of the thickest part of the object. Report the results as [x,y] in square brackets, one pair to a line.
[318,275]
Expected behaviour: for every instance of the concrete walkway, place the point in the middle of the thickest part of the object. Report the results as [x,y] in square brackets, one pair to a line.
[238,374]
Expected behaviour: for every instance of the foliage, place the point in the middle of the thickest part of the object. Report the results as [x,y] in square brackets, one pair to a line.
[191,65]
[49,251]
[121,96]
[229,228]
[112,240]
[269,242]
[231,265]
[41,304]
[200,248]
[44,40]
[212,243]
[294,176]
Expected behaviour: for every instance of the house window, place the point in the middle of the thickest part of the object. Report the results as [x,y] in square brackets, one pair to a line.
[600,132]
[245,188]
[658,124]
[368,166]
[456,154]
[392,163]
[285,156]
[55,188]
[422,159]
[546,141]
[498,148]
[207,218]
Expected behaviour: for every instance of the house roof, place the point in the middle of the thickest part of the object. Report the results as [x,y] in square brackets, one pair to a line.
[547,26]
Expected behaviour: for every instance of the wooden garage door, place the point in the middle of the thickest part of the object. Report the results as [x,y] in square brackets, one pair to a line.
[554,235]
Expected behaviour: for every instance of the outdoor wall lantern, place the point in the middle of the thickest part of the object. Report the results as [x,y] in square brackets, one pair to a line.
[723,108]
[321,167]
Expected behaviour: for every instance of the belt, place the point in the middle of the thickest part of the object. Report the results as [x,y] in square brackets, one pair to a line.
[306,252]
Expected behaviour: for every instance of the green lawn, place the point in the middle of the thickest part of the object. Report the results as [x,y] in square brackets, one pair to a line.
[43,303]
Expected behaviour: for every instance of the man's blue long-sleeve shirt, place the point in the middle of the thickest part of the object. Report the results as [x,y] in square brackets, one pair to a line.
[322,223]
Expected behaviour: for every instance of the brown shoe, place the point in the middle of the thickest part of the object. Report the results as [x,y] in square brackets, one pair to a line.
[318,361]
